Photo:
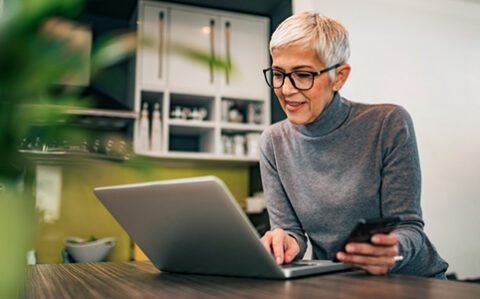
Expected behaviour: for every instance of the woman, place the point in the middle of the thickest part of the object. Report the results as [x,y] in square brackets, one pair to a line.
[334,161]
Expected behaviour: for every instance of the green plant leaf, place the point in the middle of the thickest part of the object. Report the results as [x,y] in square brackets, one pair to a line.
[204,57]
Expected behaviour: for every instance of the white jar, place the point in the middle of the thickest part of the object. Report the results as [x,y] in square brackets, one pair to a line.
[239,145]
[227,145]
[253,145]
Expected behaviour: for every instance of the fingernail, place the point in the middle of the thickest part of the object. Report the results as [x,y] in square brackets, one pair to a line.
[288,258]
[350,248]
[375,239]
[279,260]
[340,255]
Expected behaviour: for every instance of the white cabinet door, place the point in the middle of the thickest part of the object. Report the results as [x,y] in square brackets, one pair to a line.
[197,31]
[244,41]
[153,39]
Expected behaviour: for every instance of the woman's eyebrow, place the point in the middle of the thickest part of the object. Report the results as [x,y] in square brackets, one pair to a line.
[302,67]
[298,67]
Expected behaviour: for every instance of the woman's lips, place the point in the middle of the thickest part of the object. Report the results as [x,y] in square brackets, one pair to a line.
[294,106]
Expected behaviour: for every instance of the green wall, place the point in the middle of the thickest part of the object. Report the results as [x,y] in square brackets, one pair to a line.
[82,214]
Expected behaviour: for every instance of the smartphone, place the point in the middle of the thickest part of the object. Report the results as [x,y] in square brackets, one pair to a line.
[366,228]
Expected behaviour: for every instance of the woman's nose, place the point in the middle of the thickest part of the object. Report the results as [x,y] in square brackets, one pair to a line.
[288,87]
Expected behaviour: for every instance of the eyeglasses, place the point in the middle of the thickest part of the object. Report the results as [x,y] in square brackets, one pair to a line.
[301,80]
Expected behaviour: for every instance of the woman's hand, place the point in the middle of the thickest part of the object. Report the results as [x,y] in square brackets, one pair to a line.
[375,258]
[284,247]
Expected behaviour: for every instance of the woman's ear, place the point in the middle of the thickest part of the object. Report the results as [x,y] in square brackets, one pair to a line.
[341,75]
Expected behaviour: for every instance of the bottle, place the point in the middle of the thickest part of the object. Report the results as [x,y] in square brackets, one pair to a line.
[143,133]
[156,138]
[251,113]
[226,105]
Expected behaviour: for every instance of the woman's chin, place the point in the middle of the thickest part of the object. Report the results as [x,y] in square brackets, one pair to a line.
[297,120]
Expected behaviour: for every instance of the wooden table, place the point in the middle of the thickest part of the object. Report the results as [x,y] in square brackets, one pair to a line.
[143,280]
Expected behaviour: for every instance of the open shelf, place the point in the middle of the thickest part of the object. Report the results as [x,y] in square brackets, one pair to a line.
[241,111]
[191,107]
[191,139]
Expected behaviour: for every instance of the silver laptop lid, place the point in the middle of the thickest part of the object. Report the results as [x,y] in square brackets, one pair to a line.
[190,225]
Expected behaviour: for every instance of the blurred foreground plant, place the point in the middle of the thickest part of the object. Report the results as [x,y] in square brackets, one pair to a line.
[38,48]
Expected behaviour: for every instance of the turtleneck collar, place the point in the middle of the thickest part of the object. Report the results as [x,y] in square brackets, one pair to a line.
[330,119]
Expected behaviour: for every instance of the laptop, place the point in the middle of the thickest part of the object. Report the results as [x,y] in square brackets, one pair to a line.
[194,225]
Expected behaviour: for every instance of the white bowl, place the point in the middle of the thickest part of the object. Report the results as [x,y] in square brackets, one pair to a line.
[84,252]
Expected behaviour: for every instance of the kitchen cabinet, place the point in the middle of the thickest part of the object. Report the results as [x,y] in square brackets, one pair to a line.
[192,30]
[244,43]
[153,52]
[203,109]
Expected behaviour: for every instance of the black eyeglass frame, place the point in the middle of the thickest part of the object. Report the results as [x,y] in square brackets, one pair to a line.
[289,75]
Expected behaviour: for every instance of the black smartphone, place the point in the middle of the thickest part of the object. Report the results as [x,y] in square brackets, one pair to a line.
[366,228]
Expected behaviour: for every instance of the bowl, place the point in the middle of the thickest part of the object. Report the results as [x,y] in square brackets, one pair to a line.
[85,252]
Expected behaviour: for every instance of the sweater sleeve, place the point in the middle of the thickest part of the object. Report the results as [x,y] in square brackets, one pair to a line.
[280,210]
[400,196]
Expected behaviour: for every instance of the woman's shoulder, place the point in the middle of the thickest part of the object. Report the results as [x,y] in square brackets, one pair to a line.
[275,133]
[377,111]
[279,128]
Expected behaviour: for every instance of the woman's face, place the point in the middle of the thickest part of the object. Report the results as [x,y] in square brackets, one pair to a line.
[302,106]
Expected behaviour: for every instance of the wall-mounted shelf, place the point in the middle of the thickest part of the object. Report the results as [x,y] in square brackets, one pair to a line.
[85,111]
[54,156]
[102,113]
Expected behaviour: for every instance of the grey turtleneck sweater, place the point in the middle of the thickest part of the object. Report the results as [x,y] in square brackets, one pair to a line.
[354,161]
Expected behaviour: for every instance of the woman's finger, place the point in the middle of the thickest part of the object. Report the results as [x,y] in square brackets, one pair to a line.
[278,245]
[369,249]
[292,249]
[385,240]
[267,241]
[366,260]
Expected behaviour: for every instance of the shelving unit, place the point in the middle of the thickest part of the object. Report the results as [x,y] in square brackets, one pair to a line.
[93,133]
[201,107]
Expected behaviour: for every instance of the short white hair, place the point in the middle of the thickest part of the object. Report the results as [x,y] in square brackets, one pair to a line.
[327,36]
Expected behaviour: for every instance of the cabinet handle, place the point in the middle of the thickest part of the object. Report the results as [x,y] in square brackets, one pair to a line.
[212,48]
[227,46]
[161,25]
